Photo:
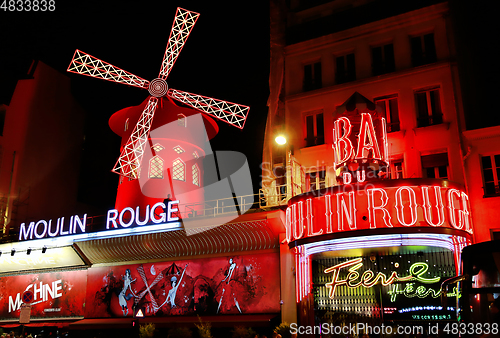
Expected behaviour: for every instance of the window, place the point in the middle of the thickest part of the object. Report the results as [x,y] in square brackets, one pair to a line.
[196,175]
[316,180]
[390,110]
[315,130]
[179,170]
[156,167]
[181,120]
[195,154]
[178,149]
[491,174]
[396,169]
[126,124]
[423,49]
[157,147]
[346,69]
[383,59]
[435,166]
[312,76]
[428,106]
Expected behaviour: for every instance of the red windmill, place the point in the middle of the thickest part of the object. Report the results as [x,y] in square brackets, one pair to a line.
[130,158]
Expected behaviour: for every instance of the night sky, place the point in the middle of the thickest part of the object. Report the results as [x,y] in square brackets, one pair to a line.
[225,57]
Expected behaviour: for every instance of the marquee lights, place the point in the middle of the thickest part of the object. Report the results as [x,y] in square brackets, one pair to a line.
[117,223]
[369,279]
[366,207]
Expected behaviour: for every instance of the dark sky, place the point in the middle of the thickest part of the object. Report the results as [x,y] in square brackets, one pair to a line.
[225,57]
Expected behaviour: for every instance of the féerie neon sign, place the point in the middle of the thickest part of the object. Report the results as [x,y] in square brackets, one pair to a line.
[369,279]
[159,213]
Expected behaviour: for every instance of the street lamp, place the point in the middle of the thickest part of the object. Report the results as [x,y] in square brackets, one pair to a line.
[280,139]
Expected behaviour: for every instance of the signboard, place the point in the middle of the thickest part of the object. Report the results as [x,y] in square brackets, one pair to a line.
[223,285]
[53,258]
[395,286]
[128,218]
[57,294]
[388,204]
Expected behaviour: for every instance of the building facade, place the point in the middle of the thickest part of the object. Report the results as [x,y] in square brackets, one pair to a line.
[332,65]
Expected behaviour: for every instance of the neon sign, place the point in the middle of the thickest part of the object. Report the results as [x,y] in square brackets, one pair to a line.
[369,279]
[126,218]
[368,207]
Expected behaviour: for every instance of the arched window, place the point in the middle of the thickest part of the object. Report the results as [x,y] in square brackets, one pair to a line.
[196,175]
[156,167]
[126,124]
[179,170]
[181,120]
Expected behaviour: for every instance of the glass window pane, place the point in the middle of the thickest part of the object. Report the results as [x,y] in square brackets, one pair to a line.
[497,160]
[489,188]
[436,107]
[486,161]
[488,175]
[320,129]
[430,173]
[443,172]
[389,58]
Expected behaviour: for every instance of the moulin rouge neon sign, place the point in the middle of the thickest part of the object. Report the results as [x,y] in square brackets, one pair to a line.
[368,207]
[159,213]
[369,279]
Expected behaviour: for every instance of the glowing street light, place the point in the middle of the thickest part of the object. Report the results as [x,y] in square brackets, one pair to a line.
[280,139]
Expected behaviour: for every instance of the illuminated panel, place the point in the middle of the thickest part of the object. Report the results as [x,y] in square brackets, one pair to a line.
[55,294]
[53,258]
[204,286]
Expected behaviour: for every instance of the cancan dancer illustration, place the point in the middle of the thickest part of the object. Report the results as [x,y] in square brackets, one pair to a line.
[123,297]
[228,284]
[173,291]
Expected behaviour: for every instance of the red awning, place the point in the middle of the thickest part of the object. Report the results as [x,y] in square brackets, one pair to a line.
[216,321]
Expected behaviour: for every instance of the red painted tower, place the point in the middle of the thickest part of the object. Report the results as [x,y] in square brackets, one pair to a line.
[172,163]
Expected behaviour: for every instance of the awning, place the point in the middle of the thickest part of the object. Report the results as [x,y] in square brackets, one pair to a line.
[216,321]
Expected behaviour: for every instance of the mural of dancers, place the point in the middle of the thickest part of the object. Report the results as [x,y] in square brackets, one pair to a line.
[229,283]
[123,297]
[212,286]
[173,291]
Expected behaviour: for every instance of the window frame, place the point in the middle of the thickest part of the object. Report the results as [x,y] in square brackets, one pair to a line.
[387,64]
[314,81]
[430,117]
[348,75]
[391,126]
[424,56]
[316,139]
[496,177]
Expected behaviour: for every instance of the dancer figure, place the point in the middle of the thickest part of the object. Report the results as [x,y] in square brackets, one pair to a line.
[173,291]
[123,297]
[229,274]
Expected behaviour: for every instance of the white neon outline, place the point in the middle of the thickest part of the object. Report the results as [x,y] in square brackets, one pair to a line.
[366,119]
[343,210]
[400,207]
[427,207]
[372,208]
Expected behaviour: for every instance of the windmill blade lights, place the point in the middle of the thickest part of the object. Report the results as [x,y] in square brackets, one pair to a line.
[86,64]
[129,162]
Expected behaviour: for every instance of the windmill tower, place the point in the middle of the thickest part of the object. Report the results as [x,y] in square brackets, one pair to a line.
[169,163]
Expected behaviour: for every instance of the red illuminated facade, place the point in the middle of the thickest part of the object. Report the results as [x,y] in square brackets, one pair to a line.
[378,174]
